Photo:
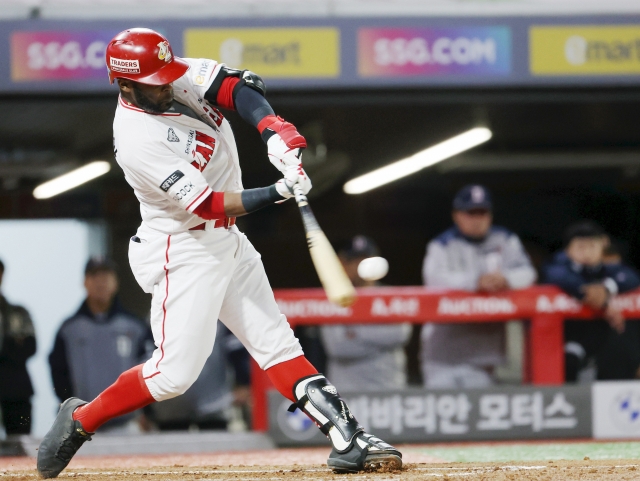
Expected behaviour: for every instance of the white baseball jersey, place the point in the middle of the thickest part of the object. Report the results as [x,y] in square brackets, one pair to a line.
[176,159]
[173,161]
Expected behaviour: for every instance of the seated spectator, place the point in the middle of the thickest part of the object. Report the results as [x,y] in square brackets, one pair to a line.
[221,390]
[473,256]
[17,344]
[361,356]
[579,270]
[99,342]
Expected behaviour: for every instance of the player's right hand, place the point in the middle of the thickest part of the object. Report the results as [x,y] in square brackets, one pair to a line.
[293,175]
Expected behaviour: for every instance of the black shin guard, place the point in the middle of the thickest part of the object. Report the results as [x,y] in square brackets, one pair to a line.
[353,449]
[319,400]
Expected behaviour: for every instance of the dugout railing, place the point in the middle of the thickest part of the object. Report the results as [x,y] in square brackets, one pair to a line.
[544,307]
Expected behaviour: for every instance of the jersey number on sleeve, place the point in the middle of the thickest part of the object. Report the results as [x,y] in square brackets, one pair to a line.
[205,146]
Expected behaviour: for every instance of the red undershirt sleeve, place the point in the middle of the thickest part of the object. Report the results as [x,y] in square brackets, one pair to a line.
[212,207]
[225,93]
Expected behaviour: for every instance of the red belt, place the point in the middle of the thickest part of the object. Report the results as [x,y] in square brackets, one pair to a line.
[226,223]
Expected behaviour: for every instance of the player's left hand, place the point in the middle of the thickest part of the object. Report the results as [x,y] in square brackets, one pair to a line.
[595,295]
[615,319]
[492,282]
[293,174]
[284,147]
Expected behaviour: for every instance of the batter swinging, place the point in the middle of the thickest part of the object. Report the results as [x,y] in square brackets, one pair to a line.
[178,153]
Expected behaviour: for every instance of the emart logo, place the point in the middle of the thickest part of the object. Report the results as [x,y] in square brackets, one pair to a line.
[578,50]
[312,52]
[586,50]
[234,51]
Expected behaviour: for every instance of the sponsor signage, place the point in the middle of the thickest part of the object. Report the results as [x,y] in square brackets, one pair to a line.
[61,55]
[350,53]
[434,51]
[300,308]
[385,304]
[585,50]
[476,305]
[124,66]
[270,52]
[616,410]
[415,415]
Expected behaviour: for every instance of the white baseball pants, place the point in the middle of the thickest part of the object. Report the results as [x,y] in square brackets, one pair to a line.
[196,278]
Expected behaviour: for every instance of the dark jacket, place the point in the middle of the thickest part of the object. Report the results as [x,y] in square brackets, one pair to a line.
[570,277]
[17,344]
[90,352]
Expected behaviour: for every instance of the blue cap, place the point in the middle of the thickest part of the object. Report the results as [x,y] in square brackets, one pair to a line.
[472,197]
[100,264]
[360,246]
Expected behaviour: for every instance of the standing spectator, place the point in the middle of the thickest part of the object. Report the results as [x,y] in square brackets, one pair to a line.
[17,344]
[99,342]
[478,257]
[581,272]
[363,356]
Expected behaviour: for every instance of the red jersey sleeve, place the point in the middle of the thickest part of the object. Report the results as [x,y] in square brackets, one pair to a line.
[212,207]
[225,93]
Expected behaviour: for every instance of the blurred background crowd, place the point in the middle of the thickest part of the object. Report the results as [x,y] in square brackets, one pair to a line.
[103,339]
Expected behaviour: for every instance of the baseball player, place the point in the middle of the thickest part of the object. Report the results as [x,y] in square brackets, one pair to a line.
[179,155]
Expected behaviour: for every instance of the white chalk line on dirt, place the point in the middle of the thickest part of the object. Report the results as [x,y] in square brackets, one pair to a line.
[464,471]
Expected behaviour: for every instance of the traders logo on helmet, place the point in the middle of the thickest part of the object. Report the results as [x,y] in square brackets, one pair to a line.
[164,53]
[124,66]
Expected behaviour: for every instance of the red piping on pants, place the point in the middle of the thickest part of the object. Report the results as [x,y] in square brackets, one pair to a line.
[164,308]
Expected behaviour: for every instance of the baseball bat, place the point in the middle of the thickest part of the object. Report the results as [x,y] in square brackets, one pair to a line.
[334,279]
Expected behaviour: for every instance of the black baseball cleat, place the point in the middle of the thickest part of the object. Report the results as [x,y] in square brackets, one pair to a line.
[62,441]
[366,453]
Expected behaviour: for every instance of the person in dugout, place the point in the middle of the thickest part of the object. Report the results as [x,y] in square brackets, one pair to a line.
[360,356]
[17,344]
[476,256]
[579,270]
[98,342]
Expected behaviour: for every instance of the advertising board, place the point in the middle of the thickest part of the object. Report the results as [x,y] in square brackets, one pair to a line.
[59,55]
[434,51]
[415,415]
[585,50]
[616,410]
[347,53]
[272,52]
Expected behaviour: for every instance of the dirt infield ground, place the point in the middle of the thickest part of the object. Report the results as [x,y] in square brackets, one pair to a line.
[308,465]
[583,471]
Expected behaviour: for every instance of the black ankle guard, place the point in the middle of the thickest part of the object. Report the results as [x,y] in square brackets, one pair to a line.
[322,397]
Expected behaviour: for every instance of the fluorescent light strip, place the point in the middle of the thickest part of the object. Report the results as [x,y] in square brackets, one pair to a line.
[71,179]
[419,161]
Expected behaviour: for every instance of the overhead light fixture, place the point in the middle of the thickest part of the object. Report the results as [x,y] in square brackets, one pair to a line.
[419,161]
[72,179]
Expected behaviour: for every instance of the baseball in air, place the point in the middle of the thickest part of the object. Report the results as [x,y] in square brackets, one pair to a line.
[373,268]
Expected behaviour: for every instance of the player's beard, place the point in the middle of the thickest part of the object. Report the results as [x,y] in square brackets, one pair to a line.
[148,105]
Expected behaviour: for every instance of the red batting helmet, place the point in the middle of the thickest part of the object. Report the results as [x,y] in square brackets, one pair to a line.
[145,56]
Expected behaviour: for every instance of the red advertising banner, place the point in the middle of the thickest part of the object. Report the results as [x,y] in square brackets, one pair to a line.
[421,304]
